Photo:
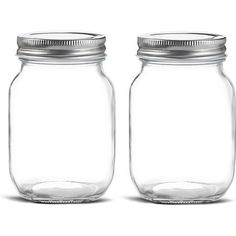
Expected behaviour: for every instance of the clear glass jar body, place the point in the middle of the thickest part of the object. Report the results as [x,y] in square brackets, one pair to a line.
[62,129]
[182,132]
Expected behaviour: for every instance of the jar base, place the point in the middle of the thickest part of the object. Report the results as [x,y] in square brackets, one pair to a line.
[61,192]
[181,193]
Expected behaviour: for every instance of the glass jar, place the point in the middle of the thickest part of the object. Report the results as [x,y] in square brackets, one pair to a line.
[61,117]
[182,119]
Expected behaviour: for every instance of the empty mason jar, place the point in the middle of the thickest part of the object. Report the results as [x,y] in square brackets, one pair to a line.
[182,119]
[61,116]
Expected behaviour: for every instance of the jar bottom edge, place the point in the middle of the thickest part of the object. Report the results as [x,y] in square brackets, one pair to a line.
[61,192]
[181,193]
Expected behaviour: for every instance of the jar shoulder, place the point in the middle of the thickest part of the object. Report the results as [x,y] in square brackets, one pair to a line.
[158,78]
[43,76]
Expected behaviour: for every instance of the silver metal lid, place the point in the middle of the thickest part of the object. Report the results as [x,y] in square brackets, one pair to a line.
[182,47]
[62,46]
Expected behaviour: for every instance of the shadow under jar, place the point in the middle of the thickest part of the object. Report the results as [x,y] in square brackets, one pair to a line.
[182,119]
[61,118]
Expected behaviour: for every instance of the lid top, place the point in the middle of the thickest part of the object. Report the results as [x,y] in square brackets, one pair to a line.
[61,36]
[182,36]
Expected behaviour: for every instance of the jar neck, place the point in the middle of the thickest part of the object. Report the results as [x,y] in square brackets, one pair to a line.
[56,64]
[62,61]
[85,68]
[150,66]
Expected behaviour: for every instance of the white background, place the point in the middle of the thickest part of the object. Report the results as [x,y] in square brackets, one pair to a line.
[119,212]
